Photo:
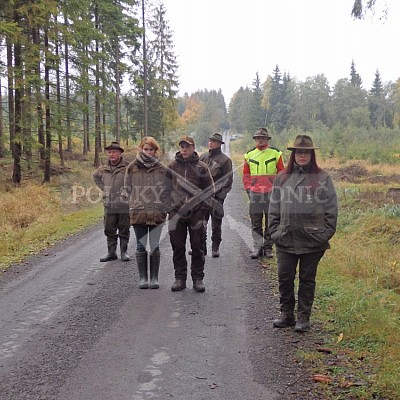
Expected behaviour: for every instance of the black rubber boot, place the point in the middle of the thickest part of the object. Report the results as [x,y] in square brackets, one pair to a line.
[112,253]
[124,249]
[154,268]
[215,250]
[141,259]
[285,320]
[258,252]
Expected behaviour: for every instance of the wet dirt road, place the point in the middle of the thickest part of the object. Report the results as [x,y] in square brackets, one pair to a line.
[72,328]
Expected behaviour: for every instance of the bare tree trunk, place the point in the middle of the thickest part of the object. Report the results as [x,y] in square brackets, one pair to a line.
[144,75]
[58,93]
[103,108]
[16,144]
[117,96]
[1,123]
[47,160]
[39,105]
[67,93]
[97,147]
[11,105]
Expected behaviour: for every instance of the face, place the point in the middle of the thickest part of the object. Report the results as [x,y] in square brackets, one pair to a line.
[302,157]
[213,144]
[261,141]
[149,150]
[186,149]
[114,156]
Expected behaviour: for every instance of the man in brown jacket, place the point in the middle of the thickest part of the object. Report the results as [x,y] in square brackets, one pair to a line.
[190,188]
[110,179]
[220,166]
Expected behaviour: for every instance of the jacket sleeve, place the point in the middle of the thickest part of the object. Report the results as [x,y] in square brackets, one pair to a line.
[224,184]
[246,176]
[331,209]
[274,211]
[98,179]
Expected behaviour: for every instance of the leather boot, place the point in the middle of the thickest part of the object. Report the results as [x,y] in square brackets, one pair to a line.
[303,323]
[124,248]
[258,252]
[215,250]
[178,285]
[112,253]
[154,268]
[198,285]
[285,320]
[141,259]
[268,252]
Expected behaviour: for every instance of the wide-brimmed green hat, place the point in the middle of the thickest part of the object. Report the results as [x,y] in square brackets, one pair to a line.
[303,142]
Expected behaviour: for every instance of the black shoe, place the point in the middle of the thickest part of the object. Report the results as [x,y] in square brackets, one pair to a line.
[178,285]
[257,253]
[198,286]
[284,321]
[302,325]
[268,253]
[215,251]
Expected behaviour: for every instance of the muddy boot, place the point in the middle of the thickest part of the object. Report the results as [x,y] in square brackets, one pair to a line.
[112,252]
[268,252]
[141,259]
[154,268]
[285,320]
[215,250]
[124,248]
[303,323]
[258,252]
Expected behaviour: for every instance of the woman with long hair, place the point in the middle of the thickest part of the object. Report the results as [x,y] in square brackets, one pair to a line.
[148,202]
[302,219]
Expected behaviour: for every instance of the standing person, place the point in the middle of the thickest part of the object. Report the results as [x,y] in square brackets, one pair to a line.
[190,188]
[220,166]
[110,179]
[261,164]
[302,220]
[148,203]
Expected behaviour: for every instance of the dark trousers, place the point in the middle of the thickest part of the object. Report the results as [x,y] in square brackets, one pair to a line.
[116,224]
[216,225]
[178,228]
[287,265]
[259,204]
[147,233]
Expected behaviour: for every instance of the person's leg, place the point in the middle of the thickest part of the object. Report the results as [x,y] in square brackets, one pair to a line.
[216,237]
[154,239]
[256,216]
[196,233]
[124,226]
[267,236]
[287,264]
[307,274]
[177,233]
[141,233]
[110,230]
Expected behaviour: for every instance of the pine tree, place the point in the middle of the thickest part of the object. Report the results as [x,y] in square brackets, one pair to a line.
[355,77]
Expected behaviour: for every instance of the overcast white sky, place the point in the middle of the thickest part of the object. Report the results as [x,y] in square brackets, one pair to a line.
[221,44]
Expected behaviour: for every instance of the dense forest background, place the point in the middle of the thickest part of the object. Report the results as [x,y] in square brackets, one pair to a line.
[76,74]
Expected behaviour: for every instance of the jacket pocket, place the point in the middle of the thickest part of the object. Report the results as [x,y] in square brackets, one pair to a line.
[316,232]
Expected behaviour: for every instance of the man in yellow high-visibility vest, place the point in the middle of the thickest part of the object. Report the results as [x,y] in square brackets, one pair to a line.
[261,164]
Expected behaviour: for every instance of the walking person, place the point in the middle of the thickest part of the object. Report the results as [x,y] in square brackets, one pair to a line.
[302,219]
[110,179]
[190,189]
[261,164]
[220,166]
[148,202]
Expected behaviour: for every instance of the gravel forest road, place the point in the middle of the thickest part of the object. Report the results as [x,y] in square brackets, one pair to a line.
[72,328]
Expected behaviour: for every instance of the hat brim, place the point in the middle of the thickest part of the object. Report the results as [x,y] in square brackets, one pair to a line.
[185,141]
[219,141]
[261,136]
[114,148]
[302,148]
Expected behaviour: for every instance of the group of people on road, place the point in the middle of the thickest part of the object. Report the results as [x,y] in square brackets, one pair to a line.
[188,190]
[294,208]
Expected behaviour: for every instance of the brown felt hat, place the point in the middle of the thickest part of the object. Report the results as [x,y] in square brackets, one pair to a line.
[186,139]
[114,146]
[262,133]
[302,142]
[217,137]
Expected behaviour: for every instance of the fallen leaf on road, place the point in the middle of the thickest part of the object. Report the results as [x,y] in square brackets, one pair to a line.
[322,378]
[340,338]
[324,350]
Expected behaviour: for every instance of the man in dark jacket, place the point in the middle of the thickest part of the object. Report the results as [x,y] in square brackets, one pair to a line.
[220,166]
[110,179]
[190,187]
